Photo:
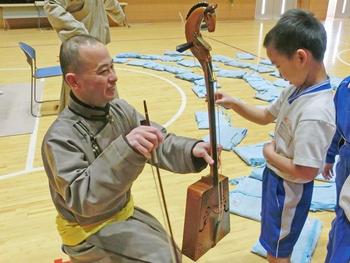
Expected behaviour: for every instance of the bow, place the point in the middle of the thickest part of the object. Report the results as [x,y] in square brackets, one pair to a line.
[154,162]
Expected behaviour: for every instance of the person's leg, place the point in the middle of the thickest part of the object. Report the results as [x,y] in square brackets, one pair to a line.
[338,248]
[88,253]
[272,259]
[285,207]
[141,238]
[339,236]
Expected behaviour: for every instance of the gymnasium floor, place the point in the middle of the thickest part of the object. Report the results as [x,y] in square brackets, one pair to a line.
[27,216]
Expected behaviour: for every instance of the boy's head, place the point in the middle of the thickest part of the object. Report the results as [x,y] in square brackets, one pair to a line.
[296,45]
[298,29]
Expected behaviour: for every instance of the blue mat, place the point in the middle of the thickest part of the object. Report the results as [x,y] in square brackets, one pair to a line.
[237,74]
[251,154]
[201,90]
[305,246]
[270,94]
[189,76]
[228,137]
[244,55]
[202,119]
[323,197]
[189,63]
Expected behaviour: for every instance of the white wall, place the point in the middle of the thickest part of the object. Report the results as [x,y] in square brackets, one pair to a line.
[342,9]
[269,9]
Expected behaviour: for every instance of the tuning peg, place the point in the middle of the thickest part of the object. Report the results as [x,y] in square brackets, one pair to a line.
[181,48]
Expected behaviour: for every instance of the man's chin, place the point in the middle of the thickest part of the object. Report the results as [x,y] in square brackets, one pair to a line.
[110,94]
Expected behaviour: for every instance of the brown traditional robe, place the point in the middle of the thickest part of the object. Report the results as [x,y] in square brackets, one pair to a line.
[91,168]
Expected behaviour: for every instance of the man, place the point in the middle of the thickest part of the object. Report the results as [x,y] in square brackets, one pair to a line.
[339,236]
[93,153]
[75,17]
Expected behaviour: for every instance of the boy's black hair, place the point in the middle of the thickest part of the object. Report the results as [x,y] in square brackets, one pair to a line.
[298,29]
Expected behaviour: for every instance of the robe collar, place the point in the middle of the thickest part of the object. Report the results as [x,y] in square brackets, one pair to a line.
[86,111]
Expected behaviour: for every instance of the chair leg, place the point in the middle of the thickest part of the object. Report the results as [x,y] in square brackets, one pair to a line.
[32,98]
[34,102]
[35,95]
[35,98]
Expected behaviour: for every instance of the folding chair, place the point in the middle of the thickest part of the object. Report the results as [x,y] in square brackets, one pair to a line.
[37,73]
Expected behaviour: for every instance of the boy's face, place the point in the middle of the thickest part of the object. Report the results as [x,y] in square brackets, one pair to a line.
[292,69]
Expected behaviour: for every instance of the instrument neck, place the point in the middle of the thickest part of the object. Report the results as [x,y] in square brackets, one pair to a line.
[209,83]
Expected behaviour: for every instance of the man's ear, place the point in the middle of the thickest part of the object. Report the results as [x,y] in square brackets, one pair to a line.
[302,55]
[71,80]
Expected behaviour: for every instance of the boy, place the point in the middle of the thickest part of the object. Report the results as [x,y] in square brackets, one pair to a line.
[339,236]
[304,115]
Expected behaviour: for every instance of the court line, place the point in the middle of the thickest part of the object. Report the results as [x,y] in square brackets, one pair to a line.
[178,88]
[33,138]
[12,69]
[342,60]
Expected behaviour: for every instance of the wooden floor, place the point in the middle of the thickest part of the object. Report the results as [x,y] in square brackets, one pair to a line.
[27,216]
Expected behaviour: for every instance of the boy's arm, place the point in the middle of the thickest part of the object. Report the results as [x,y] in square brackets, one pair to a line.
[252,113]
[333,150]
[292,172]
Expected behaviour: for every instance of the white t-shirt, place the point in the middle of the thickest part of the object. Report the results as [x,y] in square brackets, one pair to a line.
[305,125]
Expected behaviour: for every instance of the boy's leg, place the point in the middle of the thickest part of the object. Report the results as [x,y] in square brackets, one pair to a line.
[339,237]
[272,259]
[339,240]
[285,207]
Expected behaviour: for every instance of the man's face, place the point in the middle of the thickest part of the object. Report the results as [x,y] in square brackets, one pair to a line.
[292,69]
[96,78]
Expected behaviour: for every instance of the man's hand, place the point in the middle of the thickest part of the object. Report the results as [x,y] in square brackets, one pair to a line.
[328,171]
[202,150]
[145,139]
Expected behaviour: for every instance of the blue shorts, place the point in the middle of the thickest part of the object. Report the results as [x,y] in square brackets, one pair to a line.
[338,248]
[285,206]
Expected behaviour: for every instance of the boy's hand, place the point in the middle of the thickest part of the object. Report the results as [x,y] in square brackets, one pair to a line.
[328,171]
[224,100]
[269,150]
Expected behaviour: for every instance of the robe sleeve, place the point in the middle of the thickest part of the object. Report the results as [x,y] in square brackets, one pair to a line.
[90,188]
[175,153]
[62,21]
[115,11]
